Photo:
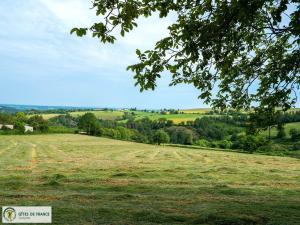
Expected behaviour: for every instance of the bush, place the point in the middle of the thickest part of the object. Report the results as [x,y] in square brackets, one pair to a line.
[249,143]
[271,148]
[296,146]
[238,142]
[138,137]
[225,144]
[295,134]
[61,130]
[202,143]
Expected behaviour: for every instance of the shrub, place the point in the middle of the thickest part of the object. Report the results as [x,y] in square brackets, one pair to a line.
[214,144]
[295,134]
[296,146]
[249,143]
[225,144]
[271,148]
[138,137]
[61,130]
[202,143]
[238,142]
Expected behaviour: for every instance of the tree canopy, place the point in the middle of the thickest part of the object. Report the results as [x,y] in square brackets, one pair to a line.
[249,51]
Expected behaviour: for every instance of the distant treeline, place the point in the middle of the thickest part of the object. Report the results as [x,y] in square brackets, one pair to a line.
[209,131]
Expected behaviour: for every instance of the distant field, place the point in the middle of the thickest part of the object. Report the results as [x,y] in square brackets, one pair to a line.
[112,115]
[49,116]
[199,111]
[288,127]
[176,118]
[91,180]
[105,115]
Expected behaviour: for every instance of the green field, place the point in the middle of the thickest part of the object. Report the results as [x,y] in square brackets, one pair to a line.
[105,115]
[113,115]
[287,127]
[196,111]
[91,180]
[176,118]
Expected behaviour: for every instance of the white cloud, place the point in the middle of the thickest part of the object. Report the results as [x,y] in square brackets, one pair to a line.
[71,12]
[41,37]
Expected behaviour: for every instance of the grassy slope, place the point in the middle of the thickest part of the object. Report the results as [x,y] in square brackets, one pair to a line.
[90,180]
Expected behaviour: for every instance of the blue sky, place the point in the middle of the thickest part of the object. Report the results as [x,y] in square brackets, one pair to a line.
[42,64]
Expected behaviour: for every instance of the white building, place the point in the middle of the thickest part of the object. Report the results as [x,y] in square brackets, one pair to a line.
[28,128]
[1,125]
[9,126]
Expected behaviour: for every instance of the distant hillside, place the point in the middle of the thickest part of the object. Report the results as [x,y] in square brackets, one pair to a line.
[7,109]
[10,108]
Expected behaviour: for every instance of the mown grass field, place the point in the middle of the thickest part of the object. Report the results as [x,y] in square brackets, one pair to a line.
[91,180]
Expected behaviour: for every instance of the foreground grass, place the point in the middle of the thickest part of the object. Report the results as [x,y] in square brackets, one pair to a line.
[90,180]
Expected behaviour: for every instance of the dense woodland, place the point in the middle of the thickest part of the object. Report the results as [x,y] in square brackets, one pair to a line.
[230,130]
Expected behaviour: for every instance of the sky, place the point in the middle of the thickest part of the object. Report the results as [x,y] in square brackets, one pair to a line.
[42,64]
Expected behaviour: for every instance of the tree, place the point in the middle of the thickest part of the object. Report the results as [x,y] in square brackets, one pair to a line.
[38,123]
[88,122]
[160,136]
[21,117]
[181,135]
[280,131]
[248,50]
[263,119]
[19,126]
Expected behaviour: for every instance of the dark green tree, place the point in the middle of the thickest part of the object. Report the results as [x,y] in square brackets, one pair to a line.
[281,131]
[89,123]
[263,119]
[38,123]
[181,135]
[248,50]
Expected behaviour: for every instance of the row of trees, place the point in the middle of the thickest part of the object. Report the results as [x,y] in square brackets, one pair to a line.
[20,119]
